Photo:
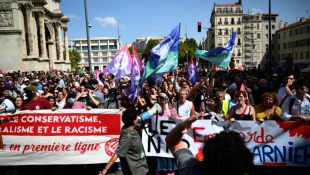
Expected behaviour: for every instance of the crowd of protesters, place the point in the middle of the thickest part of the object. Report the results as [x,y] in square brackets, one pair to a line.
[218,95]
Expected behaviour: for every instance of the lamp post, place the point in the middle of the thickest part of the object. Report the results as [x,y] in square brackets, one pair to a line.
[88,41]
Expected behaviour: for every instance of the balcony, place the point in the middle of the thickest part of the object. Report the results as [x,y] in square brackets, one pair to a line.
[239,54]
[220,33]
[220,44]
[239,22]
[233,22]
[239,33]
[219,23]
[226,23]
[239,44]
[226,33]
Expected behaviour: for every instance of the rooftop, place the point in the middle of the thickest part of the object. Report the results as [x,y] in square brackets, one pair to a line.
[226,4]
[295,24]
[267,14]
[95,38]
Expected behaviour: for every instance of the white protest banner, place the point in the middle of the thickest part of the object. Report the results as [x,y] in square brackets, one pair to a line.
[59,137]
[273,143]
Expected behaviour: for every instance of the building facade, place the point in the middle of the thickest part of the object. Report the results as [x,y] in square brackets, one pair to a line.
[293,42]
[275,25]
[30,35]
[141,42]
[226,19]
[102,50]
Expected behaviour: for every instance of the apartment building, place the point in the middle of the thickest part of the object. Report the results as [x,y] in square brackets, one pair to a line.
[226,19]
[102,50]
[293,42]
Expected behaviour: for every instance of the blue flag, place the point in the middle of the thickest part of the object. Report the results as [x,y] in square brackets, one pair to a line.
[164,56]
[220,56]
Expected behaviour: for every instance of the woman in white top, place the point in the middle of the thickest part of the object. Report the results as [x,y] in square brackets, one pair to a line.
[185,108]
[61,102]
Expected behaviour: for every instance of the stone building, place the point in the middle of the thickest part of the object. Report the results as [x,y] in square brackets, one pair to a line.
[293,42]
[30,35]
[226,19]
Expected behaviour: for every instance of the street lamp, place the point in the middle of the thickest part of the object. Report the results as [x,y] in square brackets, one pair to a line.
[88,41]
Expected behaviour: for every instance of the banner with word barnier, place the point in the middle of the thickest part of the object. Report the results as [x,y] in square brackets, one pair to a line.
[64,136]
[273,143]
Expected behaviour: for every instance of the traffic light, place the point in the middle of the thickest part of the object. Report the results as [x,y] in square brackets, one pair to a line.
[199,26]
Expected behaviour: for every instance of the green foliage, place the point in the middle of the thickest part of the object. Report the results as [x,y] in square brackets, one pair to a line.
[74,57]
[147,51]
[138,51]
[183,55]
[191,43]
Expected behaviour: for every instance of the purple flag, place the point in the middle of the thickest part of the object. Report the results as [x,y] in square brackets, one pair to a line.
[136,73]
[121,64]
[96,76]
[192,75]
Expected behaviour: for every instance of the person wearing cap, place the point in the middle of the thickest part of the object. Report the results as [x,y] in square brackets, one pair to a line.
[306,73]
[112,102]
[34,102]
[86,96]
[74,104]
[288,90]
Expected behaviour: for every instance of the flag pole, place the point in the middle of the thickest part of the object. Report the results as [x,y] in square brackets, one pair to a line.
[186,43]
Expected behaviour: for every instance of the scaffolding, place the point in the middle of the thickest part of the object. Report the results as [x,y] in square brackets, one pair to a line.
[250,30]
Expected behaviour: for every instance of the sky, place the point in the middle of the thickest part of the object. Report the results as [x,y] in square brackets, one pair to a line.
[147,18]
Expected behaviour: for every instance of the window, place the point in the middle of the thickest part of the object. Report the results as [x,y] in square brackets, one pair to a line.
[308,29]
[284,34]
[103,47]
[267,47]
[301,55]
[239,21]
[279,35]
[266,36]
[84,47]
[296,43]
[289,45]
[112,47]
[296,32]
[237,61]
[239,42]
[272,36]
[226,41]
[291,33]
[219,10]
[85,60]
[226,20]
[239,30]
[239,51]
[78,48]
[113,53]
[257,26]
[104,54]
[296,55]
[253,46]
[94,47]
[272,46]
[279,46]
[219,20]
[225,10]
[301,30]
[266,27]
[284,46]
[273,27]
[85,54]
[278,57]
[95,54]
[238,10]
[301,42]
[258,46]
[220,42]
[307,54]
[232,21]
[96,60]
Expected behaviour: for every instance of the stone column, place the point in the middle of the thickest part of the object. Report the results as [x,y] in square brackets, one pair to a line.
[28,7]
[65,28]
[42,35]
[60,50]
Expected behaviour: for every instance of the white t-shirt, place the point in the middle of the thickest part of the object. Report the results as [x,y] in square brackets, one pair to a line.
[282,94]
[227,98]
[61,104]
[184,110]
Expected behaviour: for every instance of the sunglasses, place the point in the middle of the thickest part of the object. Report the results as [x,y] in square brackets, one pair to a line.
[296,88]
[160,97]
[45,89]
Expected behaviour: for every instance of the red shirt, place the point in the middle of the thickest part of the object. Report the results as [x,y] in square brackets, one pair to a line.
[38,104]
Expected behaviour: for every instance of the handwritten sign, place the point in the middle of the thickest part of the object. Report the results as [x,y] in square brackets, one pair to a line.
[59,137]
[278,143]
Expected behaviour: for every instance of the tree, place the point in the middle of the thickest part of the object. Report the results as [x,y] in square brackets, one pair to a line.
[147,51]
[138,52]
[183,55]
[191,43]
[74,57]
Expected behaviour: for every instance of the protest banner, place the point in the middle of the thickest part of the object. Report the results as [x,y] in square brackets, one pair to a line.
[273,143]
[45,137]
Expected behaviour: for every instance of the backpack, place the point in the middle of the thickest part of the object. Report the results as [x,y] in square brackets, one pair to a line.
[292,102]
